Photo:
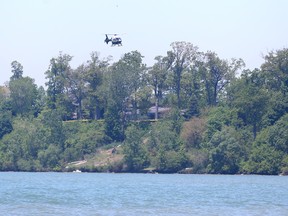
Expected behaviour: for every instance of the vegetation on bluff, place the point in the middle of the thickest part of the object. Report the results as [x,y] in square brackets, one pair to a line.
[214,116]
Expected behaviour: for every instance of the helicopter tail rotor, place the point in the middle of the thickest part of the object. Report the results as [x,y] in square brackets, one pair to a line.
[107,39]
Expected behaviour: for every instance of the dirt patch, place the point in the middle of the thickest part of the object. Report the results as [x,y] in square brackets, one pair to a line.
[109,156]
[103,157]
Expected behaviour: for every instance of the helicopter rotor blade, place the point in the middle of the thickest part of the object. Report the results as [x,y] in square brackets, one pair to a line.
[115,34]
[111,34]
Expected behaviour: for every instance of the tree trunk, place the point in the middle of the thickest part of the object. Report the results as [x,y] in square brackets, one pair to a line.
[254,130]
[156,102]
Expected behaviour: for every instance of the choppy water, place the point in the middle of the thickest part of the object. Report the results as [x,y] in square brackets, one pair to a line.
[141,194]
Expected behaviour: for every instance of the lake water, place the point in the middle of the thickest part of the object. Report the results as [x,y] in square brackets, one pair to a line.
[88,194]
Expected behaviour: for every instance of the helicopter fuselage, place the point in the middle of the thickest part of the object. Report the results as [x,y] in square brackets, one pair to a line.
[114,40]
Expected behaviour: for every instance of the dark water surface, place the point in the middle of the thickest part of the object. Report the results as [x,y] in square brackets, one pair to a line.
[141,194]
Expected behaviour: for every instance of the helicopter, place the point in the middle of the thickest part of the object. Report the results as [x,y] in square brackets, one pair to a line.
[115,40]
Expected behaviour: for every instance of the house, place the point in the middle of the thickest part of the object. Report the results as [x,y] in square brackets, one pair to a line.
[161,111]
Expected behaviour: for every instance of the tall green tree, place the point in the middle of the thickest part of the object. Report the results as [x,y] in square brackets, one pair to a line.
[53,128]
[5,123]
[227,152]
[17,70]
[77,89]
[21,146]
[41,100]
[157,76]
[192,91]
[278,134]
[263,159]
[182,55]
[123,82]
[57,91]
[94,76]
[250,99]
[275,69]
[167,152]
[5,113]
[117,95]
[135,155]
[135,70]
[274,75]
[23,96]
[217,74]
[115,122]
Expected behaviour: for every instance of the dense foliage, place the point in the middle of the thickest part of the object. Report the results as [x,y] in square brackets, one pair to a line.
[191,112]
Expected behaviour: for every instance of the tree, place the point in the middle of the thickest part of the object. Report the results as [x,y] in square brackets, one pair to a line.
[216,119]
[17,70]
[23,95]
[83,138]
[135,156]
[226,153]
[77,89]
[192,132]
[263,159]
[5,113]
[135,70]
[57,92]
[157,76]
[5,122]
[162,135]
[250,99]
[275,69]
[171,161]
[21,146]
[217,74]
[114,121]
[166,149]
[274,75]
[278,134]
[41,100]
[117,95]
[94,76]
[123,83]
[55,134]
[192,92]
[182,55]
[50,158]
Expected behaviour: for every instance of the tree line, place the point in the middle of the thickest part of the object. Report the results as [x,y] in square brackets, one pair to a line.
[220,117]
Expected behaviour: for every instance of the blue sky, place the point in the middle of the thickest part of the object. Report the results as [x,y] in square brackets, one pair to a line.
[34,31]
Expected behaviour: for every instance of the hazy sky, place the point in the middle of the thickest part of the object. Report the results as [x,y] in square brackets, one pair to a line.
[34,31]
